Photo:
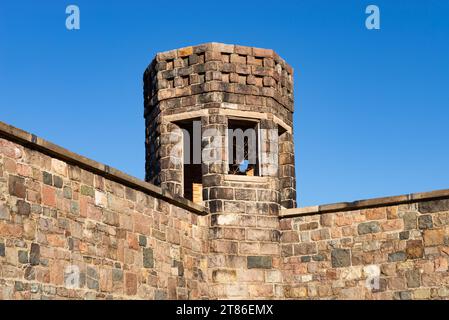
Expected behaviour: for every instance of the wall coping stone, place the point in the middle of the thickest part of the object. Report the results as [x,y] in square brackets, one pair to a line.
[31,141]
[214,64]
[221,47]
[248,179]
[364,204]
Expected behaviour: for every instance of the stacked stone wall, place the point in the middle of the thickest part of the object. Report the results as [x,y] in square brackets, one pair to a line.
[389,252]
[68,233]
[64,217]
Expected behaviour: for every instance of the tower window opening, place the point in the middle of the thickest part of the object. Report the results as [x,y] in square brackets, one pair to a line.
[192,171]
[243,147]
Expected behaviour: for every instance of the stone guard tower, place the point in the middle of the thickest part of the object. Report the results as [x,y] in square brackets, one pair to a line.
[196,94]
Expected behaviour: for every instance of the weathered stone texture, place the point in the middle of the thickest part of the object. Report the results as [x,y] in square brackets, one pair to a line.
[122,243]
[207,82]
[214,83]
[86,232]
[403,242]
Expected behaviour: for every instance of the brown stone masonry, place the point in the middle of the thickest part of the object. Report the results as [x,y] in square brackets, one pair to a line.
[72,228]
[402,243]
[126,238]
[211,83]
[130,241]
[216,84]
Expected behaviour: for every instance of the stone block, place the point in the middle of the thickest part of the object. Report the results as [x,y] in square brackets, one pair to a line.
[222,193]
[305,248]
[441,264]
[258,235]
[260,290]
[245,194]
[425,222]
[48,196]
[259,262]
[243,50]
[434,237]
[392,225]
[233,233]
[67,193]
[273,276]
[404,235]
[410,220]
[227,219]
[148,261]
[269,248]
[224,276]
[414,249]
[2,249]
[23,257]
[340,258]
[47,178]
[142,241]
[117,275]
[23,208]
[4,212]
[100,199]
[160,294]
[376,213]
[421,294]
[295,292]
[433,206]
[264,53]
[57,182]
[87,191]
[397,256]
[17,186]
[59,167]
[289,237]
[185,51]
[35,254]
[130,284]
[213,56]
[368,227]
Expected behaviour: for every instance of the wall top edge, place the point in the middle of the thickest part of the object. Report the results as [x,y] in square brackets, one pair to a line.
[31,141]
[365,204]
[224,48]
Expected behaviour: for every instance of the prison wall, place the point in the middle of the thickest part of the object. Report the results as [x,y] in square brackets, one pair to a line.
[388,248]
[72,228]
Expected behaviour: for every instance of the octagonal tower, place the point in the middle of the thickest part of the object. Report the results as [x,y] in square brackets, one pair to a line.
[219,132]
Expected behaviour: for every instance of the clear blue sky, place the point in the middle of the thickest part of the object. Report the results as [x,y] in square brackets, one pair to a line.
[372,107]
